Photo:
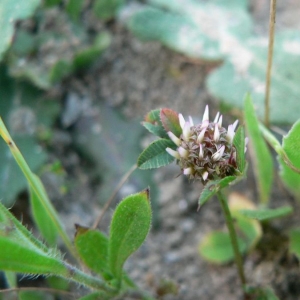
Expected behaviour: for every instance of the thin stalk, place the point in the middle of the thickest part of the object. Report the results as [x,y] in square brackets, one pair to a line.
[233,238]
[37,189]
[270,59]
[108,202]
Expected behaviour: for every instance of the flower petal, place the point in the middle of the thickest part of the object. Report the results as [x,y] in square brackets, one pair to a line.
[216,118]
[205,175]
[205,115]
[173,153]
[216,133]
[187,171]
[181,121]
[217,155]
[183,152]
[174,138]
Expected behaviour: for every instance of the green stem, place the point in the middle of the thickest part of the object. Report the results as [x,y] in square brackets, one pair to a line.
[270,59]
[80,277]
[233,238]
[37,189]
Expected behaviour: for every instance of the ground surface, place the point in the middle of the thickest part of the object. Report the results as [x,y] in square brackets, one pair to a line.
[133,78]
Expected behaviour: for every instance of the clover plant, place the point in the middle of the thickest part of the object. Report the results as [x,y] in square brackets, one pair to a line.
[215,155]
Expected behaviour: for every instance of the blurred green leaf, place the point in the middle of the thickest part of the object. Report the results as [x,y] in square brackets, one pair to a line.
[85,57]
[74,8]
[262,159]
[250,230]
[259,293]
[128,229]
[216,247]
[267,214]
[12,180]
[155,155]
[197,29]
[291,146]
[106,9]
[244,72]
[24,110]
[10,12]
[73,47]
[92,247]
[41,216]
[295,241]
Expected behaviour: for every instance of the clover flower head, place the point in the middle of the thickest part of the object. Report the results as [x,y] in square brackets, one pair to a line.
[205,151]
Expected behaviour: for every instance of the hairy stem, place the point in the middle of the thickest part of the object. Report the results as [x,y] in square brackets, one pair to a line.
[233,238]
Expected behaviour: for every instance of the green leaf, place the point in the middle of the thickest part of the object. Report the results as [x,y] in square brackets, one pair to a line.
[216,247]
[212,187]
[258,293]
[41,216]
[31,112]
[129,227]
[106,9]
[23,258]
[239,143]
[170,121]
[262,159]
[74,8]
[10,12]
[267,214]
[155,155]
[186,26]
[92,247]
[245,70]
[291,146]
[71,58]
[85,57]
[21,252]
[154,125]
[295,241]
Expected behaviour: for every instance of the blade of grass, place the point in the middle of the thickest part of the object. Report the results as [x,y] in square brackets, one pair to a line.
[30,176]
